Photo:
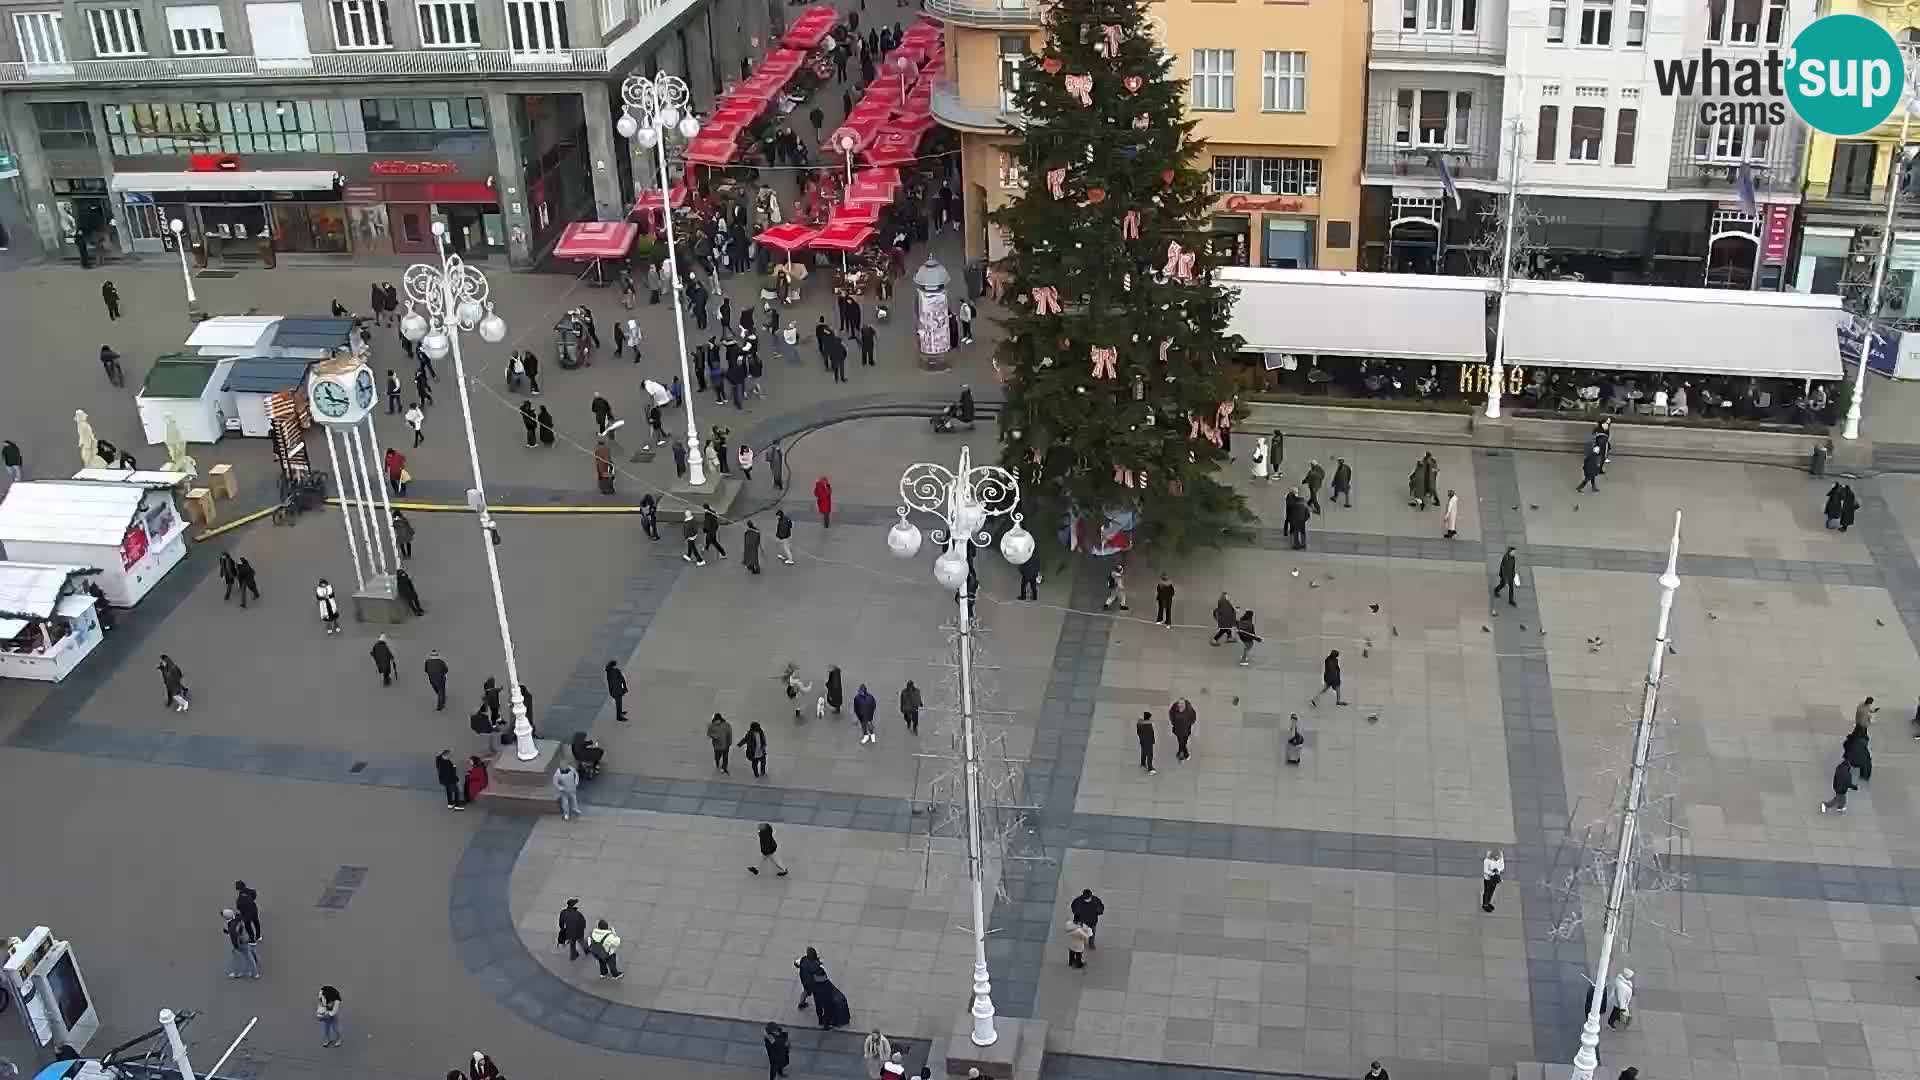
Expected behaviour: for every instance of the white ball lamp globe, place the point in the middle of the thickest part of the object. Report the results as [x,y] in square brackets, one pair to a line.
[689,127]
[436,345]
[493,328]
[469,312]
[627,126]
[413,326]
[1016,546]
[950,570]
[904,538]
[649,137]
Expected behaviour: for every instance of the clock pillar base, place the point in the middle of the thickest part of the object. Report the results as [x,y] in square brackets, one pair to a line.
[380,603]
[523,787]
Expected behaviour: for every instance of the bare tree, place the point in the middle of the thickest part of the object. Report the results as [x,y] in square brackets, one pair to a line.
[1531,258]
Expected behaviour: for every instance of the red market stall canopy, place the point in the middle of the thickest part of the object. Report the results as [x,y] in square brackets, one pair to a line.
[783,59]
[883,91]
[869,186]
[711,151]
[854,214]
[720,129]
[789,238]
[736,112]
[811,28]
[845,236]
[891,147]
[910,123]
[649,200]
[596,240]
[863,129]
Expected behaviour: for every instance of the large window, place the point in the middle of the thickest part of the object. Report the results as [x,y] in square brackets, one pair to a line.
[1587,126]
[1636,24]
[1852,175]
[1625,128]
[425,125]
[1776,27]
[1013,175]
[1438,16]
[1283,81]
[196,28]
[1266,176]
[1556,21]
[361,24]
[63,125]
[1013,53]
[448,24]
[1731,142]
[39,35]
[1546,140]
[1596,22]
[117,31]
[304,125]
[1737,22]
[1432,118]
[1213,80]
[537,26]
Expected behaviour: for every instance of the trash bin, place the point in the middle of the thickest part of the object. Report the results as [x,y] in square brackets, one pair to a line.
[1817,465]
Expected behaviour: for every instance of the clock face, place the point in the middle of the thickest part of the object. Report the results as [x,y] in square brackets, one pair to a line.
[330,399]
[363,392]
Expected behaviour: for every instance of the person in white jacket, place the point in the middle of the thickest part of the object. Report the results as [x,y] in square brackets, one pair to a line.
[1494,865]
[566,784]
[1622,1014]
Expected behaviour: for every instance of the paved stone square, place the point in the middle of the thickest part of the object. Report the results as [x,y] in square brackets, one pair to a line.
[1379,493]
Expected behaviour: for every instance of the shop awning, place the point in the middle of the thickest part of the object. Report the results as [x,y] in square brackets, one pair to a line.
[811,27]
[853,214]
[789,237]
[258,180]
[69,512]
[266,375]
[1681,331]
[1332,313]
[596,240]
[711,151]
[891,147]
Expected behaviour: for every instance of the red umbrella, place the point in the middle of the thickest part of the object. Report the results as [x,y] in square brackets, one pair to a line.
[867,188]
[711,151]
[854,214]
[862,129]
[845,236]
[892,147]
[911,123]
[649,199]
[789,238]
[882,91]
[875,112]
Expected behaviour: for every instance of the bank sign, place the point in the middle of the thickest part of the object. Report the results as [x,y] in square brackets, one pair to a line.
[1842,76]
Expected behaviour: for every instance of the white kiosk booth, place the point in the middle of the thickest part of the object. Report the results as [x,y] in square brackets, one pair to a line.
[47,620]
[132,531]
[44,979]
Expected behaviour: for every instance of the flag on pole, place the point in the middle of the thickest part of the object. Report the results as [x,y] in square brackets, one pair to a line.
[1446,178]
[1743,186]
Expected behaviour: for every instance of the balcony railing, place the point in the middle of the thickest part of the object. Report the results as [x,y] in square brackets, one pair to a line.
[1439,45]
[988,13]
[955,111]
[1387,160]
[339,65]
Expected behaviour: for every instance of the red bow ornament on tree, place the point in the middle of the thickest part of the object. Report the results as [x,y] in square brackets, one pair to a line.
[1046,300]
[1111,43]
[1164,346]
[1057,182]
[1179,263]
[1127,478]
[1105,359]
[1130,225]
[1223,415]
[1197,428]
[1080,87]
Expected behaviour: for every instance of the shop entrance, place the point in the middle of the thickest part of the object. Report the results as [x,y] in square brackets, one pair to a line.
[232,230]
[412,225]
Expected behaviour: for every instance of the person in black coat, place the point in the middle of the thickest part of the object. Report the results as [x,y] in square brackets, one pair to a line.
[403,583]
[1087,909]
[1296,520]
[830,1005]
[1858,754]
[617,690]
[545,421]
[1848,505]
[710,527]
[436,669]
[448,776]
[777,1052]
[835,693]
[1590,468]
[910,707]
[532,422]
[1330,679]
[812,973]
[382,654]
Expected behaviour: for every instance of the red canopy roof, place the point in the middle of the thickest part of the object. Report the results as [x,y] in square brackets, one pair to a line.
[811,27]
[892,147]
[711,151]
[788,238]
[867,189]
[883,91]
[649,199]
[738,111]
[853,214]
[783,56]
[863,129]
[912,122]
[842,237]
[719,128]
[596,240]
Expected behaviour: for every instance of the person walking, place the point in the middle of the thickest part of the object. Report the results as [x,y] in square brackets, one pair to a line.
[1314,478]
[246,901]
[110,362]
[229,575]
[1330,679]
[868,338]
[1143,731]
[436,671]
[778,1051]
[783,533]
[490,700]
[710,528]
[650,516]
[394,464]
[754,742]
[864,706]
[1116,588]
[745,459]
[1507,578]
[1224,618]
[1842,783]
[1450,517]
[243,955]
[1621,1015]
[1030,580]
[566,787]
[604,946]
[1491,868]
[110,296]
[1863,715]
[720,734]
[417,420]
[382,654]
[910,707]
[690,531]
[546,426]
[750,547]
[1244,629]
[531,421]
[572,930]
[393,392]
[244,577]
[403,534]
[603,466]
[823,501]
[1087,909]
[1296,518]
[1180,717]
[1079,940]
[617,690]
[966,322]
[1859,754]
[1429,480]
[323,596]
[448,777]
[833,690]
[770,856]
[10,457]
[174,681]
[874,1052]
[327,1011]
[1590,469]
[1163,602]
[812,972]
[530,366]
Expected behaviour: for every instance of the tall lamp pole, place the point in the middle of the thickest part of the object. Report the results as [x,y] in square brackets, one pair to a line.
[1587,1058]
[963,500]
[650,109]
[455,297]
[179,229]
[1498,374]
[1896,172]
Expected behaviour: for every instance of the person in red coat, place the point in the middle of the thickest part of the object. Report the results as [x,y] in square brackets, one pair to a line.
[476,777]
[823,498]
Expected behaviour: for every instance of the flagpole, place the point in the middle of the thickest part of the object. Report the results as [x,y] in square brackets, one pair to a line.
[1506,273]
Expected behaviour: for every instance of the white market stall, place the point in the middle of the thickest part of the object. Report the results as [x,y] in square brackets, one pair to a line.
[132,530]
[232,335]
[251,385]
[312,338]
[190,391]
[48,622]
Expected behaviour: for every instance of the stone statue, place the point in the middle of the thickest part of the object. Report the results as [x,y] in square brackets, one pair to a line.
[177,458]
[89,444]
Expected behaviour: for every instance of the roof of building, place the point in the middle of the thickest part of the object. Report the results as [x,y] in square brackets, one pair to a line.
[266,374]
[32,590]
[179,376]
[232,332]
[68,512]
[311,333]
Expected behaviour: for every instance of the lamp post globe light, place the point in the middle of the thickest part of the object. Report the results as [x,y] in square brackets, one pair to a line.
[847,143]
[454,296]
[179,230]
[649,109]
[965,500]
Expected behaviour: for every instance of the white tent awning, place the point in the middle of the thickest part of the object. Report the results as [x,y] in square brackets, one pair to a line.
[251,180]
[68,512]
[1333,313]
[1673,330]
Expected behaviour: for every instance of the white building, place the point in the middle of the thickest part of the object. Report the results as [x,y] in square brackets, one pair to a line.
[1624,183]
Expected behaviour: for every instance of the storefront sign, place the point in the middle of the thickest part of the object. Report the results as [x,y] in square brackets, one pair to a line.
[1779,235]
[1243,203]
[1475,378]
[413,168]
[213,163]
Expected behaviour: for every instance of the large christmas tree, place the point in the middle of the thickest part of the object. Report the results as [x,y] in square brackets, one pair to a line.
[1117,394]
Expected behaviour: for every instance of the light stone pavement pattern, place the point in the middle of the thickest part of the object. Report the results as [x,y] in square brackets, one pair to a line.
[1539,759]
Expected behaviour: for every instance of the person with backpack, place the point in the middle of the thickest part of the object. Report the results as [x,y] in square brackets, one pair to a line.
[604,946]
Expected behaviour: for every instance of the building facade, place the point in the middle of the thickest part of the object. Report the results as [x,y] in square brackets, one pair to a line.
[338,127]
[1621,177]
[1278,119]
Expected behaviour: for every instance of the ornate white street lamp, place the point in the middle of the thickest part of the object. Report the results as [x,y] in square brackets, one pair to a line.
[650,109]
[964,500]
[455,298]
[179,229]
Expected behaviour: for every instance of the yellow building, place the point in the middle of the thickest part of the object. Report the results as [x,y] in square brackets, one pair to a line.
[1846,189]
[1280,122]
